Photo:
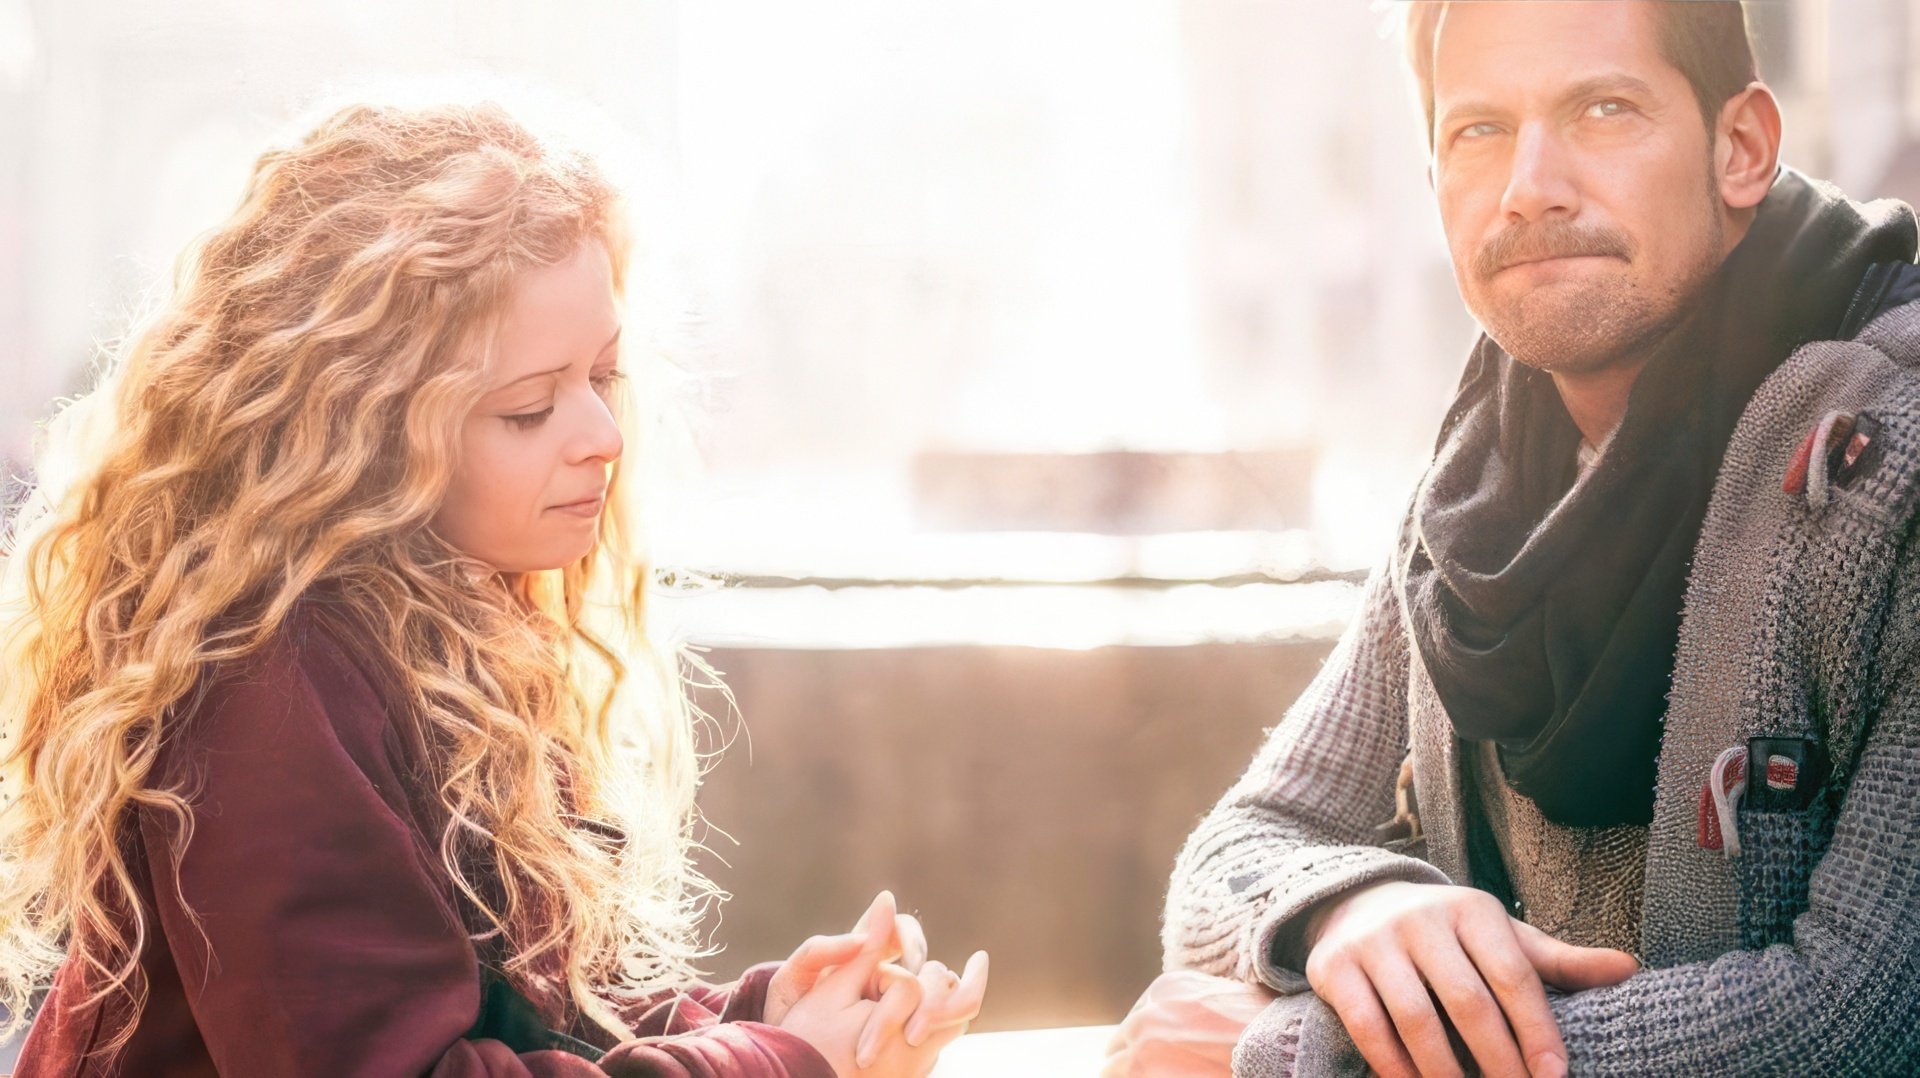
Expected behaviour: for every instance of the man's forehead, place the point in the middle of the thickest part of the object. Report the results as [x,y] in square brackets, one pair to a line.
[1505,48]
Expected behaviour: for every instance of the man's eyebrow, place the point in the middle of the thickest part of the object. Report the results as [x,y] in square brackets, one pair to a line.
[546,374]
[1620,83]
[1469,108]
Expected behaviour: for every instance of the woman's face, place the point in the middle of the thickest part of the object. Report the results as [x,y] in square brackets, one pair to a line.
[536,453]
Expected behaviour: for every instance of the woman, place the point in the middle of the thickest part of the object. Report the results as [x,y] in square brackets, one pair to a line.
[336,743]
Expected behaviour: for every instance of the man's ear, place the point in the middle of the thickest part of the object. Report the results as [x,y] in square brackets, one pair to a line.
[1746,148]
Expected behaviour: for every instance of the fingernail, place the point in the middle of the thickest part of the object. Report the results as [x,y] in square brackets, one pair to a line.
[1548,1065]
[913,1036]
[863,1055]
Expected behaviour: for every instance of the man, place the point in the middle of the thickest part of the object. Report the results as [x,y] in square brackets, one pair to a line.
[1648,631]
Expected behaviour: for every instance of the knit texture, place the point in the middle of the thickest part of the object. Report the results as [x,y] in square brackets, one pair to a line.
[1583,884]
[1800,956]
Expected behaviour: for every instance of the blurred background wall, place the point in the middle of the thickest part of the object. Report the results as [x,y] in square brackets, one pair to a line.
[1058,369]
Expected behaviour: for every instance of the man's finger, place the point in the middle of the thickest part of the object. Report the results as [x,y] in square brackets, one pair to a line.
[901,998]
[1352,997]
[1496,952]
[1571,968]
[1411,1009]
[1471,1006]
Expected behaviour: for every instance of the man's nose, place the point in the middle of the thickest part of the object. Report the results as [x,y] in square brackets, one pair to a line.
[1540,181]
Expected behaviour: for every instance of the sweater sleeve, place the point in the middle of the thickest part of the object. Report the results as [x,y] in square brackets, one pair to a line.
[1297,827]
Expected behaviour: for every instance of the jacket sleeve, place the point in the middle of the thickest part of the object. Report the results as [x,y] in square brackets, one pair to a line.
[705,1032]
[1844,995]
[310,934]
[1297,827]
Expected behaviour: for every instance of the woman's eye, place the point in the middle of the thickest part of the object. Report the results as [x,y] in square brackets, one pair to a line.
[603,383]
[529,420]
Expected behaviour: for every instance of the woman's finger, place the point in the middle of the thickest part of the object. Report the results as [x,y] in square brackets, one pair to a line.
[897,1004]
[818,955]
[959,1005]
[937,982]
[939,1021]
[849,980]
[912,937]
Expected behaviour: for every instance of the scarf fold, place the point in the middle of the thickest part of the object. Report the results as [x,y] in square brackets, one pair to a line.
[1546,603]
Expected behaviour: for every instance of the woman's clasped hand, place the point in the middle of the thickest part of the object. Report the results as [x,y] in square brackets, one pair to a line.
[869,1000]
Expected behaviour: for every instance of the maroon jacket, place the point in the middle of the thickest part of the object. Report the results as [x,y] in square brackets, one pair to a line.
[328,942]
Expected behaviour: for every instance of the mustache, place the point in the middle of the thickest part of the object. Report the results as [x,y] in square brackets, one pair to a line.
[1531,242]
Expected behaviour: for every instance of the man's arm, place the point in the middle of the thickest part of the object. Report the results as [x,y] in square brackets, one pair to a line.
[1297,827]
[1844,996]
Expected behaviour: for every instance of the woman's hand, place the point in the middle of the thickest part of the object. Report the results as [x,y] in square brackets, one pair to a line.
[819,995]
[919,1015]
[867,1013]
[818,956]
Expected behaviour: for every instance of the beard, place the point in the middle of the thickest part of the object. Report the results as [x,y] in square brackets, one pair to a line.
[1596,322]
[1567,329]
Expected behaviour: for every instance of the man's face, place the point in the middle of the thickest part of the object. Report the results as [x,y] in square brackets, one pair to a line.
[1573,172]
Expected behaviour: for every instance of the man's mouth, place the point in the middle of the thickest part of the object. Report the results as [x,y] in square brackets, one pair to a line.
[1538,260]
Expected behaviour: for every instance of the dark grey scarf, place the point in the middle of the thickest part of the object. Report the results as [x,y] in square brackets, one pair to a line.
[1546,605]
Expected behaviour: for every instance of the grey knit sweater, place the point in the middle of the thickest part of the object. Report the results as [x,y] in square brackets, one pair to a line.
[1798,956]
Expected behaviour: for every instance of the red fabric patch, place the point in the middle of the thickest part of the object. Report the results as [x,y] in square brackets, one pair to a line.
[1709,828]
[1796,483]
[1782,773]
[1856,445]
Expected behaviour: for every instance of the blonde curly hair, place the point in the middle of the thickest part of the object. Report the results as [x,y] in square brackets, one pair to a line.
[289,421]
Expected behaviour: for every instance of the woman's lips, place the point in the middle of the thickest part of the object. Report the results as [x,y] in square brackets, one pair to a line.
[589,507]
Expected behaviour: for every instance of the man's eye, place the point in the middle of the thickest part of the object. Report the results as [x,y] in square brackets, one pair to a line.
[1478,130]
[529,420]
[1604,109]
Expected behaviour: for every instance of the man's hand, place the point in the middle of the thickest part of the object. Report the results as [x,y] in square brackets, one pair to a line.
[1384,955]
[1184,1026]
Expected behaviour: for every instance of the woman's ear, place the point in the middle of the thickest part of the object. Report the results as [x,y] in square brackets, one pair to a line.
[1746,148]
